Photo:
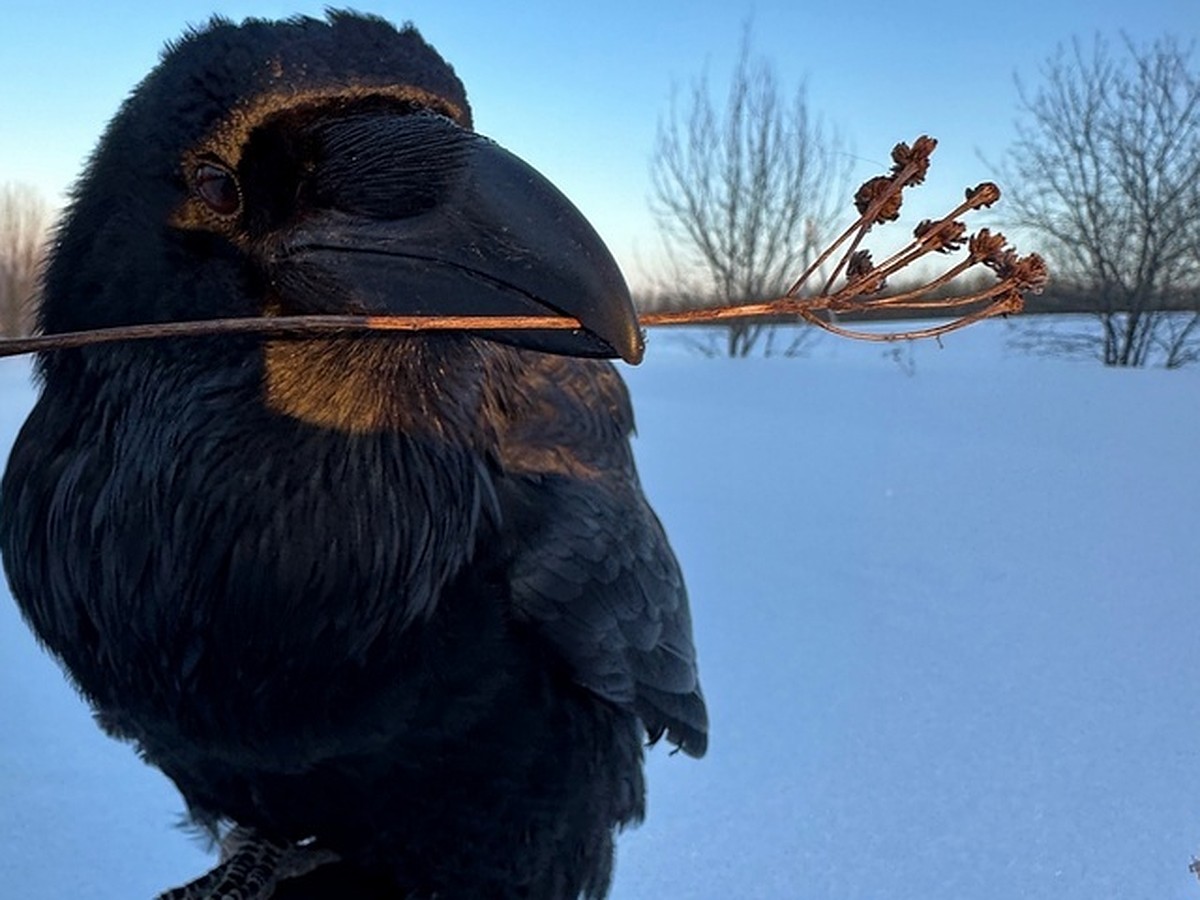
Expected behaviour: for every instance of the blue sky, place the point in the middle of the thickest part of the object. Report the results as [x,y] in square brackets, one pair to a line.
[577,90]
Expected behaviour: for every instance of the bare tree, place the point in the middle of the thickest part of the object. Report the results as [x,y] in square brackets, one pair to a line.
[744,197]
[24,219]
[1106,172]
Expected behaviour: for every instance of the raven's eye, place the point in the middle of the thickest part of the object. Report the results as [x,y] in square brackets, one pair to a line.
[217,188]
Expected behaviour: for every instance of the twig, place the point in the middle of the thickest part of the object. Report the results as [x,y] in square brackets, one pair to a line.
[278,326]
[878,202]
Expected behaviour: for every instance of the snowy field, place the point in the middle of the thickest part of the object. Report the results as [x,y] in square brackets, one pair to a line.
[948,630]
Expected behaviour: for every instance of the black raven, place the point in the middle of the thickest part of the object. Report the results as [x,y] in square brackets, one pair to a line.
[395,602]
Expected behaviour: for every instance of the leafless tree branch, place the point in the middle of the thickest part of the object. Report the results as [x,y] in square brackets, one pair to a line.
[746,194]
[24,220]
[1106,173]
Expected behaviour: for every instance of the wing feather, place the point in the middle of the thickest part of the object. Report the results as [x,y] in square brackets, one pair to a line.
[590,566]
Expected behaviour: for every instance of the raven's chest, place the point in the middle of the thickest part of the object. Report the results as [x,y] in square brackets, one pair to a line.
[194,563]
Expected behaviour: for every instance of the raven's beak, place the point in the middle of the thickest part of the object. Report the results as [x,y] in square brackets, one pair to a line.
[414,215]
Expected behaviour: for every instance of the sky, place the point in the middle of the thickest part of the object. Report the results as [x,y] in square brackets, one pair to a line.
[577,90]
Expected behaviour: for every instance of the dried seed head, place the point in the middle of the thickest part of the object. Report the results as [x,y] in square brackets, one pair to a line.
[983,194]
[945,239]
[1003,262]
[983,244]
[917,156]
[861,274]
[874,188]
[860,264]
[1030,273]
[1027,273]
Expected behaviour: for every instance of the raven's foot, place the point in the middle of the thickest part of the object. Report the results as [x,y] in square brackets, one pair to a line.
[250,868]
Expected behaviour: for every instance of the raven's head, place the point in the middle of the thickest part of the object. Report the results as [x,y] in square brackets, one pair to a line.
[316,166]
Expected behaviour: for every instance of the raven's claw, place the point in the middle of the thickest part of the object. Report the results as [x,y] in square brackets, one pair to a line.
[250,868]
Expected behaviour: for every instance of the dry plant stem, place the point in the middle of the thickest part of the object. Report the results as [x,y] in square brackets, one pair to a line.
[1001,307]
[838,303]
[824,256]
[783,306]
[902,300]
[280,326]
[807,308]
[862,230]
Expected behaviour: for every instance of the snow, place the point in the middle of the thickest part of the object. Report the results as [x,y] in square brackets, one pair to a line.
[946,617]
